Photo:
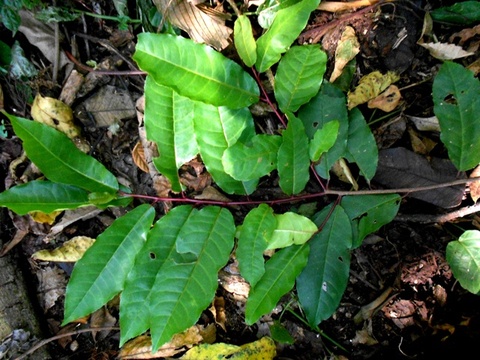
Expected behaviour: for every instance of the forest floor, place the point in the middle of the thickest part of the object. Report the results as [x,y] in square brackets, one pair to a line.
[401,302]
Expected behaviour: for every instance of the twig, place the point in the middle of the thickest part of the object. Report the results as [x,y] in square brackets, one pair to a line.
[56,337]
[441,218]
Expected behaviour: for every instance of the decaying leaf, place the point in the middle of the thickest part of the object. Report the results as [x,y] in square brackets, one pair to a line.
[420,144]
[141,346]
[370,86]
[138,156]
[218,311]
[200,26]
[70,251]
[342,171]
[387,101]
[475,186]
[425,124]
[348,47]
[44,218]
[101,318]
[443,51]
[52,284]
[263,349]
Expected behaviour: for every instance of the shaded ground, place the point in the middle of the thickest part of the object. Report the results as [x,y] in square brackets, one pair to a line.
[401,301]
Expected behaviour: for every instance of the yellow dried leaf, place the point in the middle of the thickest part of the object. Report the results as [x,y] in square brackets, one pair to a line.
[138,156]
[70,251]
[370,86]
[263,349]
[43,218]
[387,100]
[348,47]
[55,113]
[342,171]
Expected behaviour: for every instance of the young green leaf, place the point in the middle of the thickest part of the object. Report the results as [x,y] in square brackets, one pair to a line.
[329,104]
[217,129]
[287,25]
[279,278]
[44,196]
[256,231]
[292,229]
[268,9]
[137,303]
[244,40]
[368,213]
[361,145]
[59,159]
[100,274]
[324,279]
[195,70]
[323,140]
[293,160]
[463,256]
[169,123]
[187,282]
[250,162]
[299,76]
[456,99]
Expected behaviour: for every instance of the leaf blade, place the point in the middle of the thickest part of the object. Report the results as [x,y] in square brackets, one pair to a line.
[244,40]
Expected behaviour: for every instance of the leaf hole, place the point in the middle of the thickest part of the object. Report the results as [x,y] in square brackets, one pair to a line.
[315,124]
[152,255]
[340,259]
[450,99]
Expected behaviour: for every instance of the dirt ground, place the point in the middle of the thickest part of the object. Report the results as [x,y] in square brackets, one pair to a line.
[402,301]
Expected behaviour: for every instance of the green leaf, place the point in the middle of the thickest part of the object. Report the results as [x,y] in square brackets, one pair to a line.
[44,196]
[253,160]
[329,104]
[256,231]
[195,70]
[59,159]
[462,13]
[287,25]
[324,279]
[268,9]
[139,296]
[456,98]
[361,145]
[292,229]
[187,282]
[280,334]
[323,140]
[217,129]
[299,76]
[244,40]
[368,213]
[21,67]
[10,18]
[463,256]
[169,123]
[101,272]
[279,278]
[293,160]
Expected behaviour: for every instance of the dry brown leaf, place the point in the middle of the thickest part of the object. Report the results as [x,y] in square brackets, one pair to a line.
[201,27]
[342,171]
[70,251]
[443,51]
[475,186]
[138,155]
[348,47]
[420,144]
[52,284]
[387,101]
[101,318]
[370,86]
[218,311]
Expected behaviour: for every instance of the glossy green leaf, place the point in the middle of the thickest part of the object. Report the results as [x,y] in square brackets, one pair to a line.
[44,196]
[187,281]
[329,104]
[323,140]
[456,98]
[368,213]
[217,129]
[253,160]
[101,273]
[268,9]
[256,231]
[292,229]
[60,160]
[169,123]
[361,145]
[324,279]
[286,26]
[463,256]
[279,278]
[462,13]
[244,40]
[293,160]
[139,296]
[299,76]
[195,70]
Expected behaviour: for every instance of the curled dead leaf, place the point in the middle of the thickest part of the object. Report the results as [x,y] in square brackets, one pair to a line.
[138,155]
[70,251]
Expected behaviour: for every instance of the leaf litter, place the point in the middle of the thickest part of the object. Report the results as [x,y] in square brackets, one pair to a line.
[416,299]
